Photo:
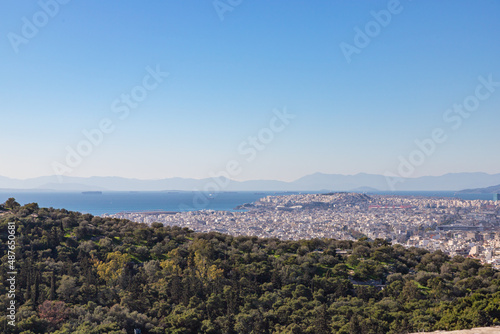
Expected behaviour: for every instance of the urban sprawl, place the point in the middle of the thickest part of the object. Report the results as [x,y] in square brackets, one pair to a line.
[454,226]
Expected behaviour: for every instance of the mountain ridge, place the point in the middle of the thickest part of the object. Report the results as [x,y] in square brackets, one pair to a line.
[311,182]
[486,190]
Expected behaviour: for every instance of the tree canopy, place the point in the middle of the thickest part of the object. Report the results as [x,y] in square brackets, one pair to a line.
[79,273]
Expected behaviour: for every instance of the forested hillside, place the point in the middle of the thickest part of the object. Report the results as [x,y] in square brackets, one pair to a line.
[77,273]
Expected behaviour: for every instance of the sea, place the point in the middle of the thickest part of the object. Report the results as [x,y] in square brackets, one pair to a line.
[113,202]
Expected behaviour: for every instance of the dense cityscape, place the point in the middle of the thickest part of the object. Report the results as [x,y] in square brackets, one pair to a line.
[454,226]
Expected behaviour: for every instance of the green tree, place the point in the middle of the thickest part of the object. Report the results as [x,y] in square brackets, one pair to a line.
[11,204]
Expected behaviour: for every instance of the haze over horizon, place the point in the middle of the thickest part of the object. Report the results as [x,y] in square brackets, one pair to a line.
[263,91]
[256,179]
[313,182]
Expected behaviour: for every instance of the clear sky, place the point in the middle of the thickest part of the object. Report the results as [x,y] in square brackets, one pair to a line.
[361,91]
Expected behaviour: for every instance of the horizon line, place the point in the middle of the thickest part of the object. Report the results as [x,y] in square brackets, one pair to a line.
[233,180]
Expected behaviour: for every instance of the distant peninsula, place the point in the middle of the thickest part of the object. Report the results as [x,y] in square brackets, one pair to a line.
[487,190]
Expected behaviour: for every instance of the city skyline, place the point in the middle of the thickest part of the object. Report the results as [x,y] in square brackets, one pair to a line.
[261,90]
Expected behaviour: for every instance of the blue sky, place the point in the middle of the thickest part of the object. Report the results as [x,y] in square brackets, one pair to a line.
[226,77]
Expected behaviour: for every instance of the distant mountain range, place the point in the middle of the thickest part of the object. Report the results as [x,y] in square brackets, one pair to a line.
[315,182]
[487,190]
